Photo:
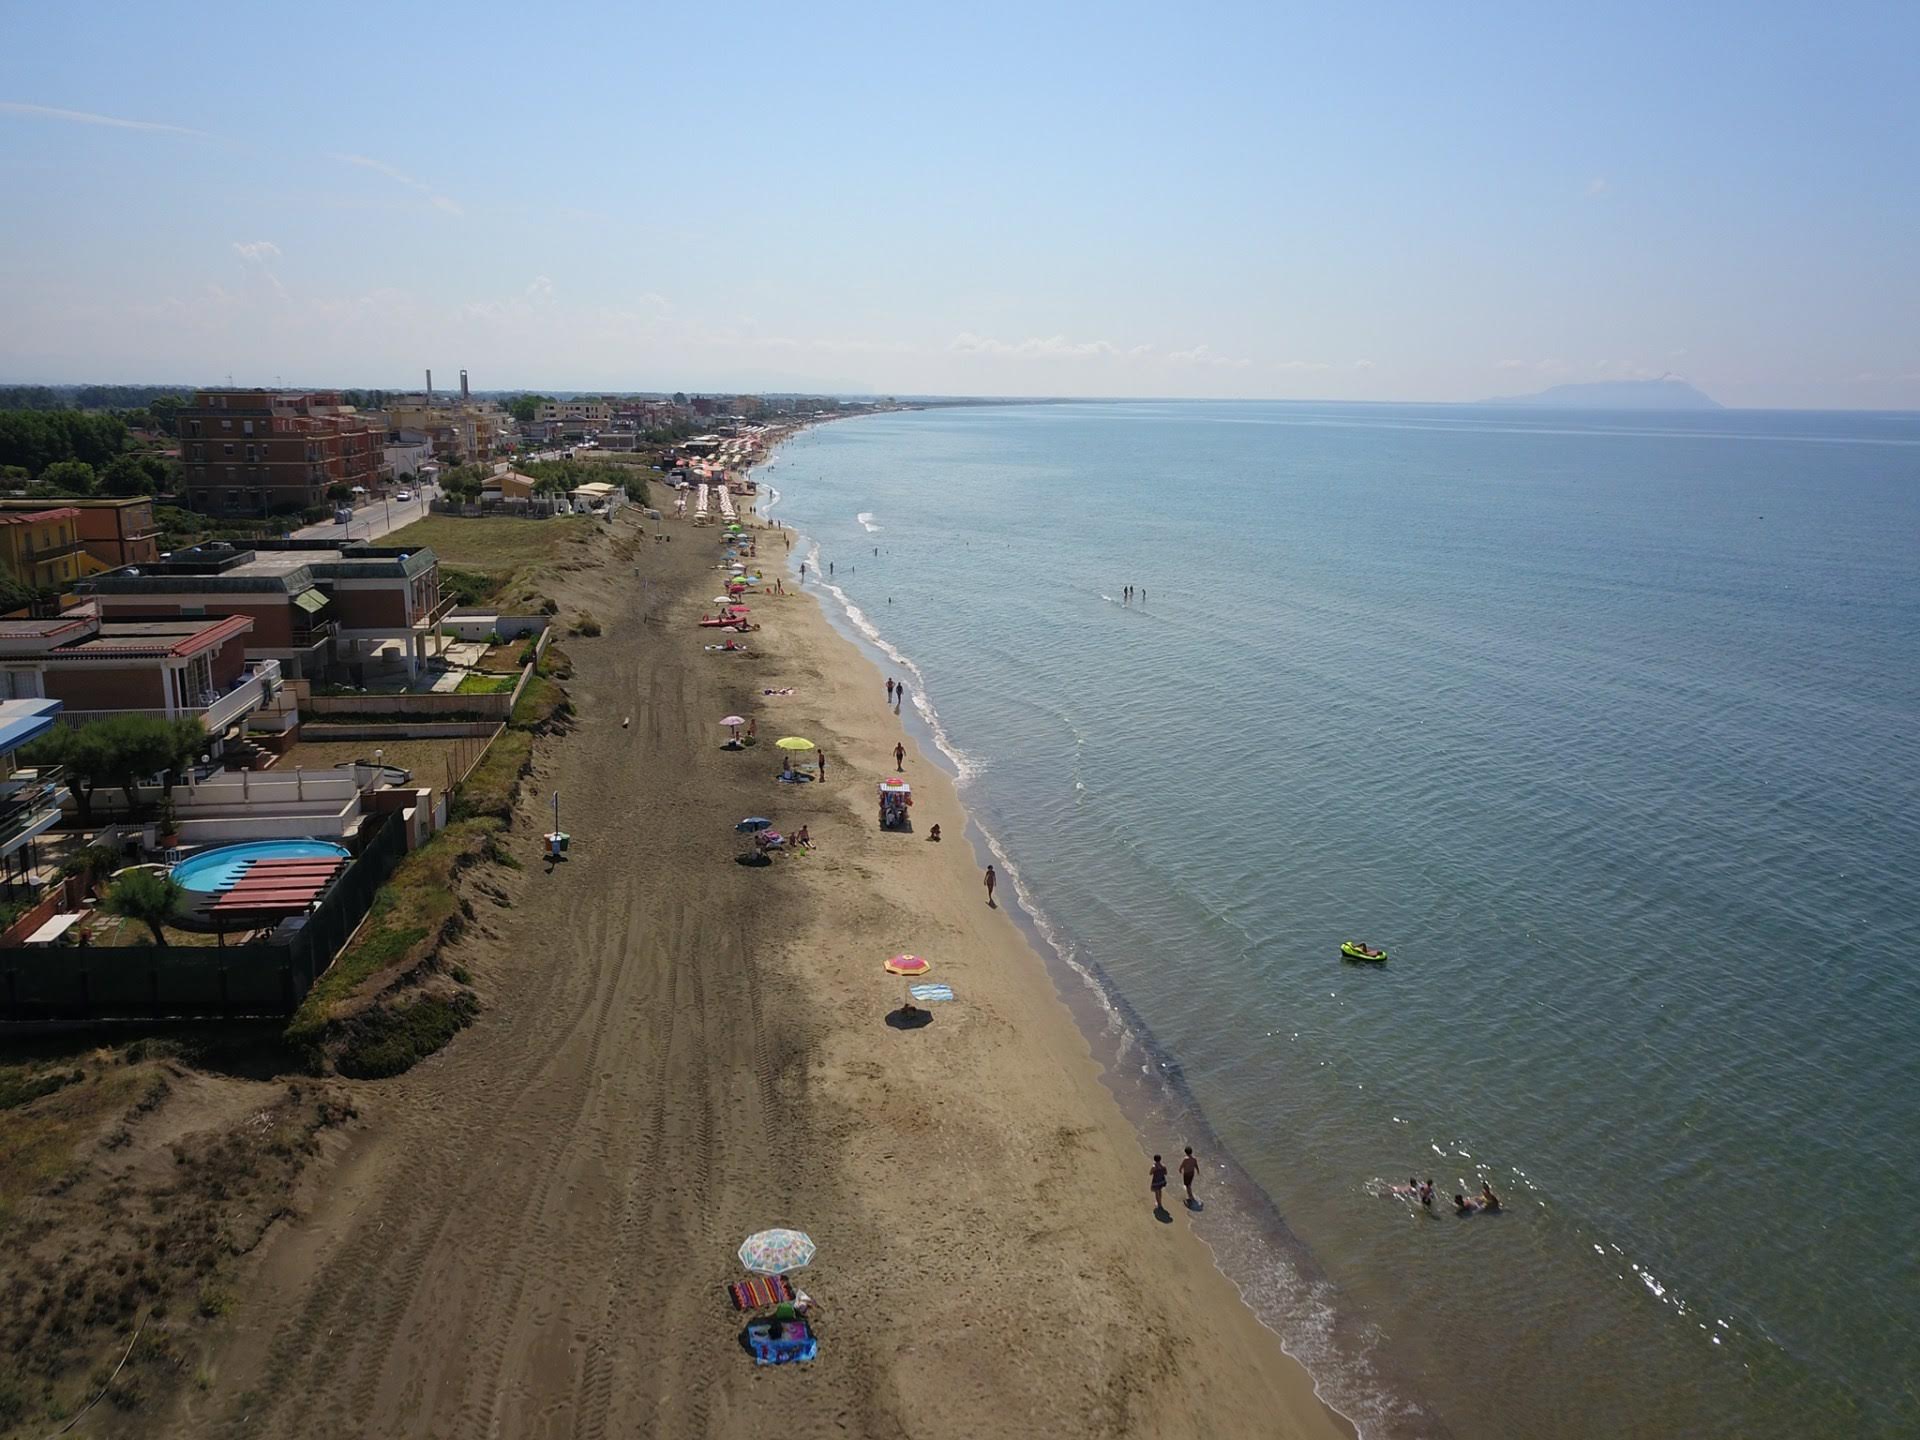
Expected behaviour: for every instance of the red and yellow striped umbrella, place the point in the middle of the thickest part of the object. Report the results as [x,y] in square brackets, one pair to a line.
[908,965]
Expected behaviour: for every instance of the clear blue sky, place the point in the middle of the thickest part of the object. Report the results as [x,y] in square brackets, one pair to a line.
[1394,201]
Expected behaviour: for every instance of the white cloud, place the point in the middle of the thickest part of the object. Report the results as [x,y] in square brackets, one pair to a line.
[1598,186]
[1204,355]
[540,289]
[393,172]
[1052,347]
[87,117]
[259,250]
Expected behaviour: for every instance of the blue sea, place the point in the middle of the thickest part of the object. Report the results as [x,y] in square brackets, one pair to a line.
[1606,727]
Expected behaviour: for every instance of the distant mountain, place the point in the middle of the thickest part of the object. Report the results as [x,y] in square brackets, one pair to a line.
[1667,394]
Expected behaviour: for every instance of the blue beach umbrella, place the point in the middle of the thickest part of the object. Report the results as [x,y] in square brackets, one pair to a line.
[774,1252]
[752,823]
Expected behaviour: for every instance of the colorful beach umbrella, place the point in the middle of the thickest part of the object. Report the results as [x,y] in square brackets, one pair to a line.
[775,1252]
[795,742]
[908,965]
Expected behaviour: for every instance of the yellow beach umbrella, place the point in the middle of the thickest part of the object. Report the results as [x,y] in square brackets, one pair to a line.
[795,742]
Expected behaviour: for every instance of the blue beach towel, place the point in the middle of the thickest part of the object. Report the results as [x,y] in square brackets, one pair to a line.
[779,1352]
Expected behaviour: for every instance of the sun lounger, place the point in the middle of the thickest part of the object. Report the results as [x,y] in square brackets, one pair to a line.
[757,1292]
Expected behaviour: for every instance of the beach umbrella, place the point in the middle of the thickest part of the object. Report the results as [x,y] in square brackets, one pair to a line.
[894,785]
[908,965]
[794,742]
[733,720]
[752,823]
[774,1252]
[929,994]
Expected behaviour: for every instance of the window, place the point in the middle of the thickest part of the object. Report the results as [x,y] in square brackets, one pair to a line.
[193,427]
[226,424]
[251,457]
[228,447]
[247,426]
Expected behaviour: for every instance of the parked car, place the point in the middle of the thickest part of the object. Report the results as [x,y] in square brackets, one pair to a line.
[403,495]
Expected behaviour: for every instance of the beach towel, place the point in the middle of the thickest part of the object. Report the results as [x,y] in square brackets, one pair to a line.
[757,1292]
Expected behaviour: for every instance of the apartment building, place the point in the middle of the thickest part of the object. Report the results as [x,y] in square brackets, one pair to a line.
[262,452]
[40,544]
[463,431]
[113,532]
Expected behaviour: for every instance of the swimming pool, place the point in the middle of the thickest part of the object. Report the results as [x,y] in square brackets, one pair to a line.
[212,869]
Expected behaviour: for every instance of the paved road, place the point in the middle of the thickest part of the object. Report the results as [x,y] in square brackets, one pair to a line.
[370,521]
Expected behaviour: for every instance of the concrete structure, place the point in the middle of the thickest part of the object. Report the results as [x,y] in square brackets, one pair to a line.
[408,453]
[40,545]
[318,604]
[257,451]
[112,531]
[29,799]
[460,430]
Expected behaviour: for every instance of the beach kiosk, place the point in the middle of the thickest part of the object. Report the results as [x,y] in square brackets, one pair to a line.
[896,798]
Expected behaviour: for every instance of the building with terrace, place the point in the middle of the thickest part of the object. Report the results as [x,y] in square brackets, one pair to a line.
[40,545]
[170,668]
[29,799]
[321,607]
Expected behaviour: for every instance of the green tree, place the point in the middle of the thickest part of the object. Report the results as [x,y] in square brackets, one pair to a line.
[69,477]
[524,407]
[120,750]
[340,494]
[148,896]
[125,475]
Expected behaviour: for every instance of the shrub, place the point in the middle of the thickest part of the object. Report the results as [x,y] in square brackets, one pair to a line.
[586,624]
[386,1042]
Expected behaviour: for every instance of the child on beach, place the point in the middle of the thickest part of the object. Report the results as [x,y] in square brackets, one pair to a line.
[1189,1167]
[934,834]
[1157,1179]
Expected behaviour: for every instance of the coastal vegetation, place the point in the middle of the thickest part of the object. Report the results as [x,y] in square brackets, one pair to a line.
[500,561]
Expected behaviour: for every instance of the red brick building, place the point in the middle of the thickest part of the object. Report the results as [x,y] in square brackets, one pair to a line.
[255,452]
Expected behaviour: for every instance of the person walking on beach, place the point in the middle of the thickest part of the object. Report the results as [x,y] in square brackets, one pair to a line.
[1189,1167]
[889,690]
[899,756]
[992,906]
[899,697]
[1157,1181]
[823,767]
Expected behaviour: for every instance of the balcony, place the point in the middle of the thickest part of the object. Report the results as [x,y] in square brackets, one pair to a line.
[249,695]
[29,808]
[216,712]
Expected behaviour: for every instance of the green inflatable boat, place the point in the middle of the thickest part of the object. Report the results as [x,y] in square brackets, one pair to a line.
[1355,951]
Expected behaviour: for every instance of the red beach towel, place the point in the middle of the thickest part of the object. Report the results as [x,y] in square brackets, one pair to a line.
[757,1292]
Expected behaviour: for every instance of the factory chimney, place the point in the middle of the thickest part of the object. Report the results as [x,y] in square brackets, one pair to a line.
[464,396]
[429,387]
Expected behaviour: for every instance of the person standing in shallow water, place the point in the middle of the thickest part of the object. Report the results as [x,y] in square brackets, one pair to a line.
[1189,1167]
[990,883]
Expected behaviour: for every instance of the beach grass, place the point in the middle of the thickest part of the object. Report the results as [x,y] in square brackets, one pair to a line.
[493,560]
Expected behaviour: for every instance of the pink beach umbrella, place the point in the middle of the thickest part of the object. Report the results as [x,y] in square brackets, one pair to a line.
[908,965]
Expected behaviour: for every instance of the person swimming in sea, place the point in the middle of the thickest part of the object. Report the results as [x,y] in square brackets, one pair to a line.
[1462,1205]
[1489,1201]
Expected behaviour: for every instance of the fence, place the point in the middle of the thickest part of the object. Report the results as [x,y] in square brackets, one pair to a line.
[266,979]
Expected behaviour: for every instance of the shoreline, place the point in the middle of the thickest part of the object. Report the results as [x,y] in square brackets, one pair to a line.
[1096,1012]
[530,1232]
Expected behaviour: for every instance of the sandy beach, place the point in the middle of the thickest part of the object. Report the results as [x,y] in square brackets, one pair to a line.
[529,1234]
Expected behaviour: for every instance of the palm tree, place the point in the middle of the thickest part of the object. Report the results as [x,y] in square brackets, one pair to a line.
[147,896]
